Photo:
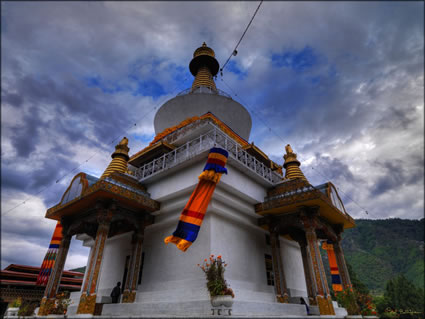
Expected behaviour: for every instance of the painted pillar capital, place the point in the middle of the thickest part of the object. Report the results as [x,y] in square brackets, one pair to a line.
[104,217]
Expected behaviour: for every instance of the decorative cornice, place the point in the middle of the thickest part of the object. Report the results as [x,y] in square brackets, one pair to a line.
[149,204]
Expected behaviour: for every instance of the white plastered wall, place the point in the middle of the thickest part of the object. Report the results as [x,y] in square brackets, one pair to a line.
[293,267]
[113,263]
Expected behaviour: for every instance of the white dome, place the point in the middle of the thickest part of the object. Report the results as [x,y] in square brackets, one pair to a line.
[185,106]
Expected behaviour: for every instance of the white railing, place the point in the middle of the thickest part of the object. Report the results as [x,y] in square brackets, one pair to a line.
[204,89]
[214,137]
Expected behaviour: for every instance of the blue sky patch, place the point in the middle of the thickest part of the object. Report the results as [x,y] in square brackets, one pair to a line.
[147,87]
[182,77]
[296,60]
[233,67]
[105,86]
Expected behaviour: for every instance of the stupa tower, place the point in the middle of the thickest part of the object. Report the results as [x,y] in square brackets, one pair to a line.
[292,165]
[119,159]
[204,97]
[204,67]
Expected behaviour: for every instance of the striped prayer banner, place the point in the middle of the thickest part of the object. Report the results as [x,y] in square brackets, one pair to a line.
[194,212]
[49,259]
[336,279]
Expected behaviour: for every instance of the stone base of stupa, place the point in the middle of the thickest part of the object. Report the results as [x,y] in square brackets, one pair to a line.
[203,309]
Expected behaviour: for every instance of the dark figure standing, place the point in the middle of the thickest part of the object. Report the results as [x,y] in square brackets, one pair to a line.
[116,292]
[306,306]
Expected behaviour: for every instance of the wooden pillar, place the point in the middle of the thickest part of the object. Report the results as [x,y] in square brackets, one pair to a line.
[323,297]
[88,296]
[310,282]
[342,266]
[52,287]
[130,291]
[281,289]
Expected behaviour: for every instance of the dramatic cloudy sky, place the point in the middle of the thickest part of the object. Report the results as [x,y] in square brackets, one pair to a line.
[342,82]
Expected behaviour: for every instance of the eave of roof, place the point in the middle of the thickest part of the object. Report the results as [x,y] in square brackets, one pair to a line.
[32,283]
[17,266]
[103,189]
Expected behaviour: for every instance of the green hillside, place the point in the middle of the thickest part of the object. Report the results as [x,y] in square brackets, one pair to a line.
[379,250]
[80,269]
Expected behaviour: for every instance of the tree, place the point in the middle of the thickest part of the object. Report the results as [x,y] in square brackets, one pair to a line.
[362,294]
[359,286]
[401,294]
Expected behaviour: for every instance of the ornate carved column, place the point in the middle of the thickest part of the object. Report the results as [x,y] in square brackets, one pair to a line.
[282,294]
[130,291]
[49,298]
[342,266]
[323,297]
[310,282]
[88,296]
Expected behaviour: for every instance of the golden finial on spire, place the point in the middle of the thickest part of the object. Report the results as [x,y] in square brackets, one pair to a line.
[292,165]
[204,66]
[119,159]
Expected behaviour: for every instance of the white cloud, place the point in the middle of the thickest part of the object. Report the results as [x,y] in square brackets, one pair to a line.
[355,116]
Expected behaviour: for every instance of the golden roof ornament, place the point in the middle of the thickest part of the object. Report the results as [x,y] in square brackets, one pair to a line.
[204,67]
[292,165]
[119,159]
[122,148]
[204,50]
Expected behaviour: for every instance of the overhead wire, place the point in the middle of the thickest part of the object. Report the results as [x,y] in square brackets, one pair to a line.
[88,159]
[281,138]
[234,52]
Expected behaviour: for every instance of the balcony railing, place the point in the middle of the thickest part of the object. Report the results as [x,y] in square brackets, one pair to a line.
[204,89]
[214,137]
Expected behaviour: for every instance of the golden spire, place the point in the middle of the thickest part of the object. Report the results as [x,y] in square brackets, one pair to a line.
[119,159]
[204,66]
[292,165]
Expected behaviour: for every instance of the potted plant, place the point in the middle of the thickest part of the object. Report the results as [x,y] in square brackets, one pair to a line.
[220,293]
[61,304]
[14,307]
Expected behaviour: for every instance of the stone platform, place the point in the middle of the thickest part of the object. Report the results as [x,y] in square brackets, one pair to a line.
[203,309]
[178,317]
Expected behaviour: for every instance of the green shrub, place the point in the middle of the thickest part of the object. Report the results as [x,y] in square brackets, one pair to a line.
[27,308]
[347,298]
[16,303]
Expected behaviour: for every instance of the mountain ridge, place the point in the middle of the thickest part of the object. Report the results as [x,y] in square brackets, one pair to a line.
[380,249]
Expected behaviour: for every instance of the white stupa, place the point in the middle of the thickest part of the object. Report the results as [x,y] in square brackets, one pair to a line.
[149,190]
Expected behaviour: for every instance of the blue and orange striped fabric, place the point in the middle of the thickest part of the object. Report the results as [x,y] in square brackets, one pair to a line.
[336,279]
[194,212]
[49,259]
